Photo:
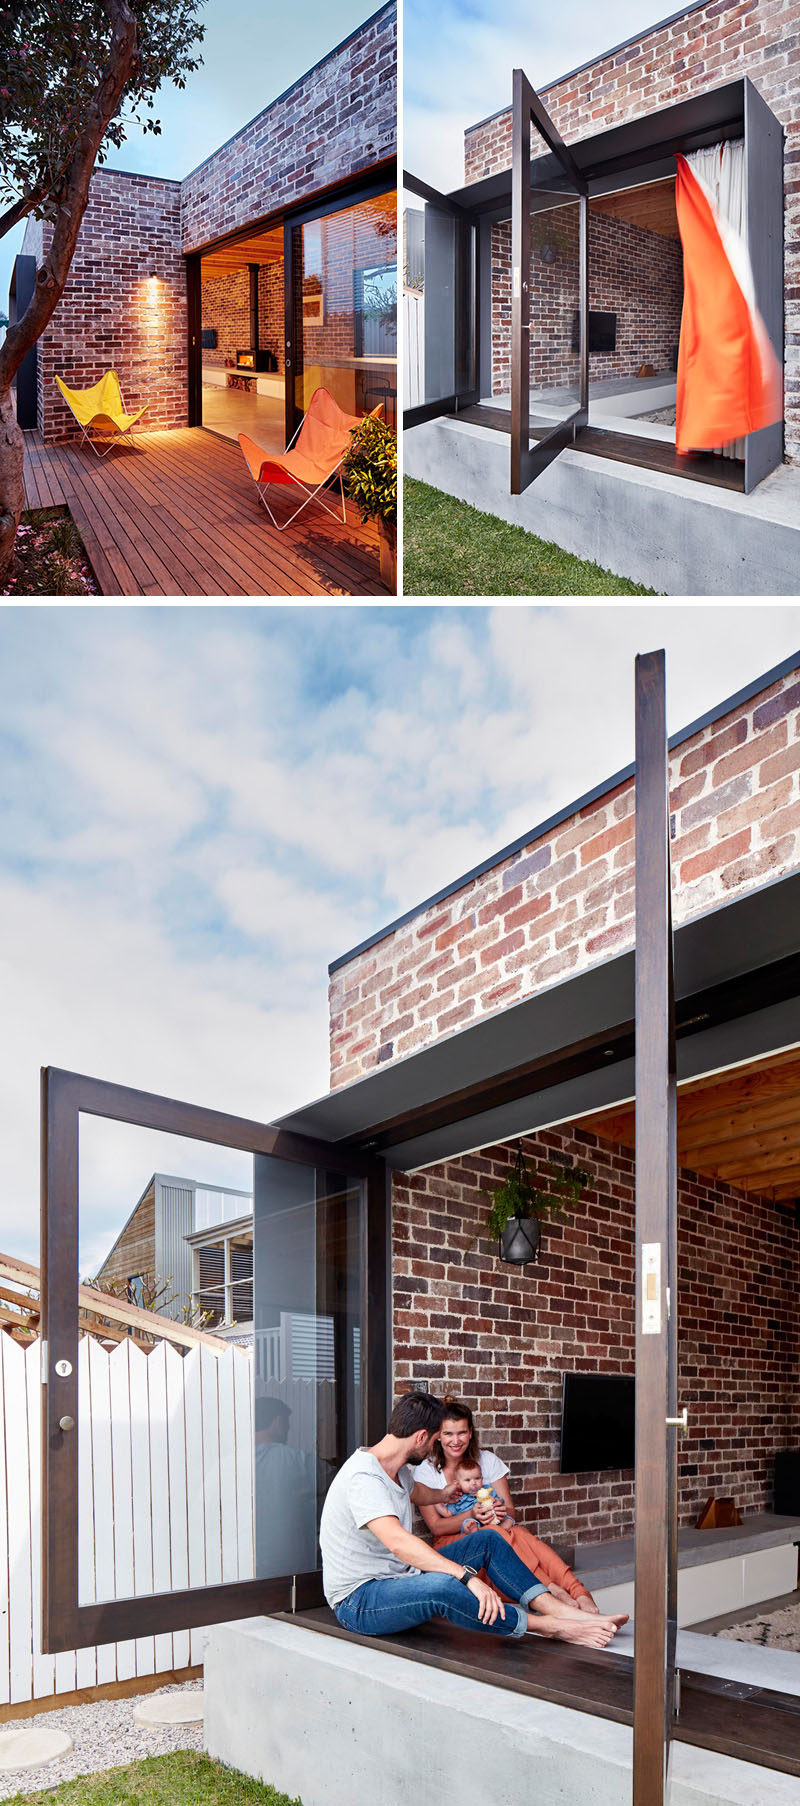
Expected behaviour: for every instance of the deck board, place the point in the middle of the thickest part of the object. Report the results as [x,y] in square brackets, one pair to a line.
[179,516]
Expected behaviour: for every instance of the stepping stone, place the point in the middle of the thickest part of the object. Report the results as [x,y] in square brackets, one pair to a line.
[170,1708]
[32,1748]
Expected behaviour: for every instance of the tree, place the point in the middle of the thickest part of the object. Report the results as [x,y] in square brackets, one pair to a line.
[67,70]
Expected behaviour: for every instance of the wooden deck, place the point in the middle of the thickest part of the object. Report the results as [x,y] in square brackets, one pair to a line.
[179,516]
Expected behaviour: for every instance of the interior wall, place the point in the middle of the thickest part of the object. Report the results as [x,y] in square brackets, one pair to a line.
[501,1338]
[226,307]
[633,272]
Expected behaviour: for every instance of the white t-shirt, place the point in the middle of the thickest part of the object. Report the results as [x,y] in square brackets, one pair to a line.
[492,1468]
[361,1491]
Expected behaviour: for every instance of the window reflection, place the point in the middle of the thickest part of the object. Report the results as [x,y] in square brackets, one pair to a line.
[345,286]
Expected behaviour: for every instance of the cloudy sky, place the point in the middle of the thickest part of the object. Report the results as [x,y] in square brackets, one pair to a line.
[459,55]
[203,806]
[253,49]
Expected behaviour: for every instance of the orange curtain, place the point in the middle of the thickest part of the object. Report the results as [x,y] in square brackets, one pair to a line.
[729,379]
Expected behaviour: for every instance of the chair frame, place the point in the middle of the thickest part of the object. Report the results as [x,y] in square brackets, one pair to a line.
[121,433]
[311,495]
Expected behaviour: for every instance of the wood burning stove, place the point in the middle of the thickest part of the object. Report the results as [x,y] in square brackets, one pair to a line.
[257,358]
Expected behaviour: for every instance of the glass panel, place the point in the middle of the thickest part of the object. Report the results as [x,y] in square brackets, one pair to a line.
[307,1320]
[165,1496]
[554,309]
[243,330]
[344,268]
[439,252]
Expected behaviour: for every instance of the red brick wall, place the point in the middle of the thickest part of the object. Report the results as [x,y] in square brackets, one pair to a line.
[111,316]
[465,1323]
[707,46]
[226,306]
[565,901]
[337,120]
[634,273]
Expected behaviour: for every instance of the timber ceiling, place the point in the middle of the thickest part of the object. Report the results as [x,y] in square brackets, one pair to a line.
[651,208]
[742,1127]
[258,247]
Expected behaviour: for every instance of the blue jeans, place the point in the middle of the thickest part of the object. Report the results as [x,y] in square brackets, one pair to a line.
[379,1607]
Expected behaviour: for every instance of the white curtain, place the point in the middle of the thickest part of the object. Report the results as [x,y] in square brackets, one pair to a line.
[721,170]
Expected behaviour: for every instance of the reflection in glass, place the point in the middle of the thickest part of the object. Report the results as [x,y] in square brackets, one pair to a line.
[164,1419]
[307,1321]
[438,303]
[345,289]
[554,308]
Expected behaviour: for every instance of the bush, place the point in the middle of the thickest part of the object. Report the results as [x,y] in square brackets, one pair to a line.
[370,470]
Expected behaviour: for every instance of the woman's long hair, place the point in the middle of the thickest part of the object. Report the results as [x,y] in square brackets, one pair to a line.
[455,1408]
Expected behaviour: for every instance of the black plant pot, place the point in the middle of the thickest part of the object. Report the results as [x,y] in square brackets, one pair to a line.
[520,1241]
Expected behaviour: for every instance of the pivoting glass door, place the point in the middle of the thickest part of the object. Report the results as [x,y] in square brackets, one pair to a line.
[440,275]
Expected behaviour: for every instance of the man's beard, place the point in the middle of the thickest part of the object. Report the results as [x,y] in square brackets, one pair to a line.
[416,1460]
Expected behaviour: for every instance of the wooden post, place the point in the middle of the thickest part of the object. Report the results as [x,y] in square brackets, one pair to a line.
[656,1300]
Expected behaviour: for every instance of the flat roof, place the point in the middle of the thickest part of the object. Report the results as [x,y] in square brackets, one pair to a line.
[582,802]
[569,1049]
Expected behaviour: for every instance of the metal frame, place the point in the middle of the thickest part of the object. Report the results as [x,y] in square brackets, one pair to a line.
[466,320]
[65,1095]
[528,461]
[656,1518]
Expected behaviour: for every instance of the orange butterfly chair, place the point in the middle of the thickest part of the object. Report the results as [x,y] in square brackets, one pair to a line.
[323,441]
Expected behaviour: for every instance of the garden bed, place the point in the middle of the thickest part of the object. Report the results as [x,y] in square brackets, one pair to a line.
[50,557]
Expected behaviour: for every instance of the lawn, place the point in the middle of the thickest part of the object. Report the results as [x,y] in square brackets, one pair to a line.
[451,549]
[184,1778]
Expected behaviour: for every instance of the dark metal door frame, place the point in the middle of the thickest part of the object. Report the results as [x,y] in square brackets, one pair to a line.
[466,319]
[656,1534]
[528,461]
[66,1624]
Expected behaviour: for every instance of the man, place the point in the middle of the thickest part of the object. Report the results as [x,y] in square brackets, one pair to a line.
[379,1578]
[285,1495]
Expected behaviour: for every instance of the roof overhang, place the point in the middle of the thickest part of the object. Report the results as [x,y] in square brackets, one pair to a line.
[641,150]
[569,1049]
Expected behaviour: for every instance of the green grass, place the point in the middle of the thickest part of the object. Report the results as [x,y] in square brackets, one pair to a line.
[451,549]
[184,1778]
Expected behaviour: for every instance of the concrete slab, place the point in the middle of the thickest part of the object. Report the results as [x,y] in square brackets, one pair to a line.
[678,537]
[32,1748]
[343,1725]
[171,1708]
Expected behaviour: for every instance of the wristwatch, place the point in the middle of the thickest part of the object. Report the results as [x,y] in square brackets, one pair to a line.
[468,1575]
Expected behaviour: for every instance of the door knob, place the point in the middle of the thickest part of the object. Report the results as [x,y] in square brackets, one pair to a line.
[681,1423]
[66,1423]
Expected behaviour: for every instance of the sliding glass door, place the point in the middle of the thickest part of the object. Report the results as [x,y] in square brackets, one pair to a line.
[341,306]
[439,304]
[549,295]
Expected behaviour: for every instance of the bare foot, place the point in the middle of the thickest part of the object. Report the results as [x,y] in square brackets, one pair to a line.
[619,1618]
[590,1633]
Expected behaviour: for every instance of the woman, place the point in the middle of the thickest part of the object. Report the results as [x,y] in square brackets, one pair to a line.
[444,1474]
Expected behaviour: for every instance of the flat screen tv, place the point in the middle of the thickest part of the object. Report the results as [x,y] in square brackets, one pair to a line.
[602,331]
[597,1422]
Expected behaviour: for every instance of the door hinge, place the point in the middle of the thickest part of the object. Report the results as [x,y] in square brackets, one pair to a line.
[293,1606]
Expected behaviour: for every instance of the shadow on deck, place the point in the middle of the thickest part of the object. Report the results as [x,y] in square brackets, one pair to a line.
[178,515]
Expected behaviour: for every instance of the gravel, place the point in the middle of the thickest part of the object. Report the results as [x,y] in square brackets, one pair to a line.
[105,1736]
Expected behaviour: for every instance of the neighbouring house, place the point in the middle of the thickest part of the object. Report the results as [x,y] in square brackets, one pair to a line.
[544,299]
[224,299]
[528,1003]
[195,1241]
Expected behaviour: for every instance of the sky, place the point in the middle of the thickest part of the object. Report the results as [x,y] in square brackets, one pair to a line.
[201,807]
[253,50]
[462,73]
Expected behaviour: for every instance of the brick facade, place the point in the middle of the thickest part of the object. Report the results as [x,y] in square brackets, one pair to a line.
[634,273]
[502,1339]
[112,315]
[705,47]
[226,307]
[565,900]
[338,120]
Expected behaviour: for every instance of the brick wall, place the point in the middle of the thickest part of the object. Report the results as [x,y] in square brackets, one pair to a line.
[111,315]
[465,1323]
[707,46]
[355,238]
[565,900]
[634,273]
[226,306]
[337,120]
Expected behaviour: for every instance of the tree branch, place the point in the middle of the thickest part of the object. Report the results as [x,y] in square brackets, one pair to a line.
[21,208]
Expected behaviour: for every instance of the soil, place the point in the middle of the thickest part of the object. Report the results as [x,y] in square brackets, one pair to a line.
[49,557]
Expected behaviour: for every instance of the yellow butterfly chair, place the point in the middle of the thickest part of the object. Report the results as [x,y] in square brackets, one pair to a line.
[101,410]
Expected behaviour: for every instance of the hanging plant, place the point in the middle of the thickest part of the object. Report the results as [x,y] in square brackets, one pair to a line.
[528,1198]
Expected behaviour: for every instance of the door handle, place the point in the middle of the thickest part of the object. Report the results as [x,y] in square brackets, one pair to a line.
[681,1423]
[66,1423]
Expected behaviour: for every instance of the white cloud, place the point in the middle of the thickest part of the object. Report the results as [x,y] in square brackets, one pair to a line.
[205,806]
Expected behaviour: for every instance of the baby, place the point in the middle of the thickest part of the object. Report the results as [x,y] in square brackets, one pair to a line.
[470,1479]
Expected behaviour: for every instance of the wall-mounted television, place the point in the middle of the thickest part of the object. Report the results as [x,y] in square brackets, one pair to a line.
[602,331]
[597,1422]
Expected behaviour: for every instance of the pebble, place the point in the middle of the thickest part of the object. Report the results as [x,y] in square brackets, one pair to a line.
[104,1735]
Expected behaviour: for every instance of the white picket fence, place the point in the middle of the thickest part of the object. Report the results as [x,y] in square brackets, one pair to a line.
[165,1500]
[414,347]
